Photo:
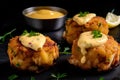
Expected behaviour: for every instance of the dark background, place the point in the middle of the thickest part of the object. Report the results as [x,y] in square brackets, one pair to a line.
[11,10]
[11,17]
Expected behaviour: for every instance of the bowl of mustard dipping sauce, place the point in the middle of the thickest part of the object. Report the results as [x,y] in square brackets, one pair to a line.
[45,18]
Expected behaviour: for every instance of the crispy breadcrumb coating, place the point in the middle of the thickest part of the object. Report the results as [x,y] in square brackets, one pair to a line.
[73,30]
[24,58]
[103,57]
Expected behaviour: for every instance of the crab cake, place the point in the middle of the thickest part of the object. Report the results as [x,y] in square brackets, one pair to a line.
[78,24]
[32,51]
[93,50]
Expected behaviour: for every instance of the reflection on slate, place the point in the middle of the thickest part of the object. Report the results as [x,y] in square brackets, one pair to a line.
[3,54]
[115,32]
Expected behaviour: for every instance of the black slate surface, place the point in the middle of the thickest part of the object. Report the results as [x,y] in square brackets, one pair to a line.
[11,17]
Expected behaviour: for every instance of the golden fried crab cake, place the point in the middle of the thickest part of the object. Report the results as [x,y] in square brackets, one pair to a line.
[32,52]
[98,23]
[78,24]
[89,52]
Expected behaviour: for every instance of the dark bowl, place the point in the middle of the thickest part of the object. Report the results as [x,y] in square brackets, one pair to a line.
[45,24]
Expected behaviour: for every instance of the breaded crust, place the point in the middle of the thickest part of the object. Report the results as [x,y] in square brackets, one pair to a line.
[24,58]
[73,30]
[104,57]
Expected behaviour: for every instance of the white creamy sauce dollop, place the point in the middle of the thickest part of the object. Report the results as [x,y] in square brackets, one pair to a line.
[86,40]
[33,42]
[83,20]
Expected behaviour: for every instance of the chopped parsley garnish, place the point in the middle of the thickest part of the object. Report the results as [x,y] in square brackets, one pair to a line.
[82,14]
[2,38]
[17,65]
[66,51]
[96,34]
[32,78]
[99,24]
[59,75]
[13,77]
[31,33]
[25,32]
[101,78]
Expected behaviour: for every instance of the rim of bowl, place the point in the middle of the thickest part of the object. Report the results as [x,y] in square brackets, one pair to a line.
[54,8]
